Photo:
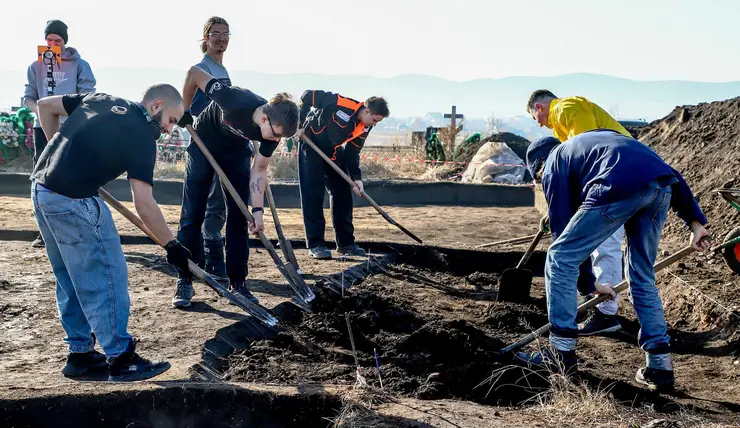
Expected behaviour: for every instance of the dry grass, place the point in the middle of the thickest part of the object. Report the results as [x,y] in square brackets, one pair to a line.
[358,410]
[377,165]
[568,403]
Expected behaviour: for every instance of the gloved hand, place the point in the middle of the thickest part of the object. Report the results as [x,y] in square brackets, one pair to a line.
[178,255]
[186,119]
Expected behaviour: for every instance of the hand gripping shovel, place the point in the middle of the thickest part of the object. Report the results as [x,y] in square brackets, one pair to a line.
[253,309]
[515,284]
[598,299]
[364,195]
[299,286]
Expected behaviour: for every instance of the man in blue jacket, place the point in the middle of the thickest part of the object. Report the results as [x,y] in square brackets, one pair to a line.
[595,183]
[71,76]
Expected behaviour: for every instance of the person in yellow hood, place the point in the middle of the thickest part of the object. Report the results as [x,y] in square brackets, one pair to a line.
[568,117]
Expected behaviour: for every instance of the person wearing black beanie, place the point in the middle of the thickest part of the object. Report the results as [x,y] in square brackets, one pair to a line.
[57,27]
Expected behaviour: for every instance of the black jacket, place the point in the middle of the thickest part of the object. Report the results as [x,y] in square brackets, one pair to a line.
[334,124]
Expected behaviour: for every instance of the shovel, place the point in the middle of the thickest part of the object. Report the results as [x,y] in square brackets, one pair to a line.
[516,283]
[512,241]
[285,245]
[367,197]
[598,299]
[253,309]
[299,286]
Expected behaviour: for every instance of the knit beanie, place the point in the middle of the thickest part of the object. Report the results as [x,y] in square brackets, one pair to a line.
[57,27]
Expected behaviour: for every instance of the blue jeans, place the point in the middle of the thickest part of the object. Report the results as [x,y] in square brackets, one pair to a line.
[215,213]
[643,216]
[85,252]
[197,187]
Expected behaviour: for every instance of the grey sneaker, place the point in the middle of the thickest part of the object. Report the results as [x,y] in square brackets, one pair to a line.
[599,323]
[183,294]
[319,252]
[351,250]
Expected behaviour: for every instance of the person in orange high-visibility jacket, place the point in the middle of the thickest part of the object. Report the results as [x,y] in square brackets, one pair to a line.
[568,117]
[338,126]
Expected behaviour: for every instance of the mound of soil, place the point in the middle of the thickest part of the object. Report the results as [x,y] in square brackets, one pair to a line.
[436,336]
[702,142]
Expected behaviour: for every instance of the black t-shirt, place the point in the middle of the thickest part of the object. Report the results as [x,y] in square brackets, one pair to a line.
[103,137]
[226,124]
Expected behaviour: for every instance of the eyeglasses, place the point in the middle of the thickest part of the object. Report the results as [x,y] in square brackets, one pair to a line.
[218,34]
[274,134]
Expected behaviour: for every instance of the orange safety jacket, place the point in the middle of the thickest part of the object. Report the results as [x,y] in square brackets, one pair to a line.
[335,127]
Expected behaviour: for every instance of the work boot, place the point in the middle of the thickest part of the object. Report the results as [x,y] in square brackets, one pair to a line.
[599,323]
[183,294]
[214,258]
[656,379]
[38,242]
[130,366]
[242,289]
[551,359]
[351,250]
[319,252]
[79,363]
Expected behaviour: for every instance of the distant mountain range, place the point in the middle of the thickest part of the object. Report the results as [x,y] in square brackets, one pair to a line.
[417,95]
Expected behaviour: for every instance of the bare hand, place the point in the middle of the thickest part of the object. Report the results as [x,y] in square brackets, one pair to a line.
[605,289]
[258,225]
[298,134]
[698,232]
[358,188]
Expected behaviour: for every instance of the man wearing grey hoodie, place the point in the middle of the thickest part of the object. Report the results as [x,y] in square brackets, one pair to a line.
[72,76]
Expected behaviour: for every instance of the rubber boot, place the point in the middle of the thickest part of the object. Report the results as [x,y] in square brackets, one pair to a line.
[214,258]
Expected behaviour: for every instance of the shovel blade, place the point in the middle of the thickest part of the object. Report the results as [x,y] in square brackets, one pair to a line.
[515,285]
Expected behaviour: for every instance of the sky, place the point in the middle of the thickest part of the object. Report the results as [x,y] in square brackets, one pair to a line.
[456,39]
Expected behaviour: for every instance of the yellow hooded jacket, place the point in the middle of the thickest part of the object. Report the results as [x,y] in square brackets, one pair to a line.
[571,116]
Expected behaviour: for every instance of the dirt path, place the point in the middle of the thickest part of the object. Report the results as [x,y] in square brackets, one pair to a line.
[460,227]
[31,349]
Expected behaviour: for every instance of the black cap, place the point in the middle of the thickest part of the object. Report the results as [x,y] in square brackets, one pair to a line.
[57,27]
[537,153]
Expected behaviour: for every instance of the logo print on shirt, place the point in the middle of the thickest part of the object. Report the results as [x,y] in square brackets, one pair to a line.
[216,87]
[60,76]
[119,109]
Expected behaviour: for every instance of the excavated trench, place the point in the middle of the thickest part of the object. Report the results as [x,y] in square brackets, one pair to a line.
[423,320]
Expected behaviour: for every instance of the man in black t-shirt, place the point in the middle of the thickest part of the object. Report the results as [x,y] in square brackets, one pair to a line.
[102,137]
[227,125]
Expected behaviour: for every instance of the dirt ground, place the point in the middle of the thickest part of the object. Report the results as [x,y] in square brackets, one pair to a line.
[435,334]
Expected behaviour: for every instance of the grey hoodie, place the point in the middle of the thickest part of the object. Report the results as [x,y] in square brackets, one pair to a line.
[72,76]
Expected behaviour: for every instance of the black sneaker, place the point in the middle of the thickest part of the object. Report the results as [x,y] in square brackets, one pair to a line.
[555,361]
[242,289]
[130,367]
[79,363]
[38,242]
[320,252]
[599,323]
[656,379]
[351,250]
